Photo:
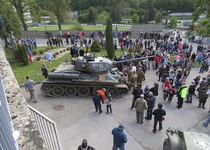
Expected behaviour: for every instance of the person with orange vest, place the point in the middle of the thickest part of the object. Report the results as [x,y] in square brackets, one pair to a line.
[99,97]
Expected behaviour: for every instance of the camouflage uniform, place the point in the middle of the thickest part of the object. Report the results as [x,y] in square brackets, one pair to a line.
[141,77]
[132,81]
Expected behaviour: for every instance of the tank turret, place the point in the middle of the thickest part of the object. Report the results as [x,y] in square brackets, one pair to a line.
[86,75]
[91,64]
[185,140]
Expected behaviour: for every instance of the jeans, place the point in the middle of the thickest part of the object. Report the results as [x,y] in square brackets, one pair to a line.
[32,94]
[202,69]
[97,105]
[155,125]
[149,113]
[139,117]
[115,147]
[180,102]
[206,123]
[189,98]
[109,107]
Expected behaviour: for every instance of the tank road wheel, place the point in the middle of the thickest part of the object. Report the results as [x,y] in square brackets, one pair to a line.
[83,91]
[123,91]
[95,89]
[58,91]
[113,91]
[166,145]
[70,91]
[46,88]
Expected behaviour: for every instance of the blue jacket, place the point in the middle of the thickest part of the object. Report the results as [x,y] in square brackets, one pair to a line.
[120,137]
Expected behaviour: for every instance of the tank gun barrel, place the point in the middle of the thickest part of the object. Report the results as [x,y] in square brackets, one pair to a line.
[127,60]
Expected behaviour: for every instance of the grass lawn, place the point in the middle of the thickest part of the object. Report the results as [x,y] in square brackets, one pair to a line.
[34,69]
[68,27]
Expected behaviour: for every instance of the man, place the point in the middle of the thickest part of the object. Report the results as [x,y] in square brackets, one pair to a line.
[30,87]
[203,95]
[159,115]
[119,138]
[191,92]
[44,71]
[132,81]
[137,91]
[181,94]
[151,105]
[97,98]
[141,76]
[85,146]
[49,56]
[140,106]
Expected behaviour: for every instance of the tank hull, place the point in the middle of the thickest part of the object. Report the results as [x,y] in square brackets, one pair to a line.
[65,81]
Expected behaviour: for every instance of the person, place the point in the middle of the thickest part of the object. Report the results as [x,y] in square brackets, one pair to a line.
[44,71]
[151,105]
[203,96]
[137,91]
[97,98]
[159,116]
[181,94]
[140,106]
[108,104]
[85,146]
[49,56]
[30,87]
[171,93]
[119,138]
[132,81]
[206,123]
[191,92]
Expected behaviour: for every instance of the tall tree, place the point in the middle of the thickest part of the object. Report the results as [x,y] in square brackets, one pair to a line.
[109,39]
[201,7]
[60,8]
[12,25]
[24,6]
[92,15]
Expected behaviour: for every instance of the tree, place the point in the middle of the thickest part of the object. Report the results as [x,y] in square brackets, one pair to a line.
[109,39]
[135,18]
[23,55]
[92,15]
[12,23]
[115,15]
[201,7]
[95,47]
[158,17]
[173,22]
[22,7]
[204,27]
[60,8]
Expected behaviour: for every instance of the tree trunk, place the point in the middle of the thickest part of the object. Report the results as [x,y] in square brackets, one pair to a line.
[5,41]
[59,23]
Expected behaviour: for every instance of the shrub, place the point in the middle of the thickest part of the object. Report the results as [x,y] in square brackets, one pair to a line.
[34,52]
[46,49]
[52,47]
[41,51]
[61,51]
[24,55]
[77,27]
[68,49]
[38,58]
[95,47]
[64,50]
[54,55]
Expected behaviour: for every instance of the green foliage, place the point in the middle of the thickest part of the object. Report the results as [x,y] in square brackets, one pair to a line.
[95,47]
[38,58]
[115,15]
[34,52]
[61,51]
[92,15]
[135,18]
[173,22]
[54,55]
[24,55]
[109,39]
[201,7]
[158,17]
[11,21]
[77,27]
[41,51]
[204,27]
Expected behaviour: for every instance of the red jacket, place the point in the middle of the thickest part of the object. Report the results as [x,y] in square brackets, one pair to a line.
[157,59]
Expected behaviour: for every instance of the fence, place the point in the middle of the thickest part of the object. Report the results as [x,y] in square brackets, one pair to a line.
[48,130]
[7,141]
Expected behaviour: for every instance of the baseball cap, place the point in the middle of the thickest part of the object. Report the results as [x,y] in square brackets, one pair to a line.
[121,126]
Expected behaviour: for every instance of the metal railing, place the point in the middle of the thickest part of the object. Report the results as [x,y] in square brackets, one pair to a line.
[48,130]
[7,141]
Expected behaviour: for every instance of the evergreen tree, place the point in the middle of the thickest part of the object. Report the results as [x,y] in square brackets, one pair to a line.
[109,39]
[24,55]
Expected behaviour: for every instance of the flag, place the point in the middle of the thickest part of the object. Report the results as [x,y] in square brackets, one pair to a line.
[30,57]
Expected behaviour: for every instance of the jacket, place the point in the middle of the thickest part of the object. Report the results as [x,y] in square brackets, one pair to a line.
[151,102]
[159,113]
[119,137]
[182,91]
[154,90]
[141,105]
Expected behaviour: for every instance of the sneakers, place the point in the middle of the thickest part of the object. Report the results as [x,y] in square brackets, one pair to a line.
[35,101]
[204,125]
[100,112]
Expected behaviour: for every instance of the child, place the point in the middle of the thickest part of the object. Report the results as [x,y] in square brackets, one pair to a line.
[108,103]
[191,92]
[165,93]
[171,93]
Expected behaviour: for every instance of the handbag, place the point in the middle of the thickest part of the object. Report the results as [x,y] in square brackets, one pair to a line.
[163,118]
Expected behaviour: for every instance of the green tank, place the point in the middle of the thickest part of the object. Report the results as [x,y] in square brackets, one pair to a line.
[185,140]
[84,76]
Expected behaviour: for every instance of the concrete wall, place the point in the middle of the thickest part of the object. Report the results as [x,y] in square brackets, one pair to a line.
[30,138]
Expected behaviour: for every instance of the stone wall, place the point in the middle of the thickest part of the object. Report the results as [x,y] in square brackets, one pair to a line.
[30,138]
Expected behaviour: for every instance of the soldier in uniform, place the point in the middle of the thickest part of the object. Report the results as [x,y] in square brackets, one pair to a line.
[141,76]
[132,81]
[129,73]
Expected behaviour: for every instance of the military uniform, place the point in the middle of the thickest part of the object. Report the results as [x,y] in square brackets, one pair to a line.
[141,77]
[132,81]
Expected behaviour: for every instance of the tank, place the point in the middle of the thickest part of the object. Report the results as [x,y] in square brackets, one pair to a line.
[184,140]
[84,76]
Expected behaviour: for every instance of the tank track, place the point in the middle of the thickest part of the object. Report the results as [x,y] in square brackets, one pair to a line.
[81,89]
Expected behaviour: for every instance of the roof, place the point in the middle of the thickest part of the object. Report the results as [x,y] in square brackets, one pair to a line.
[147,27]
